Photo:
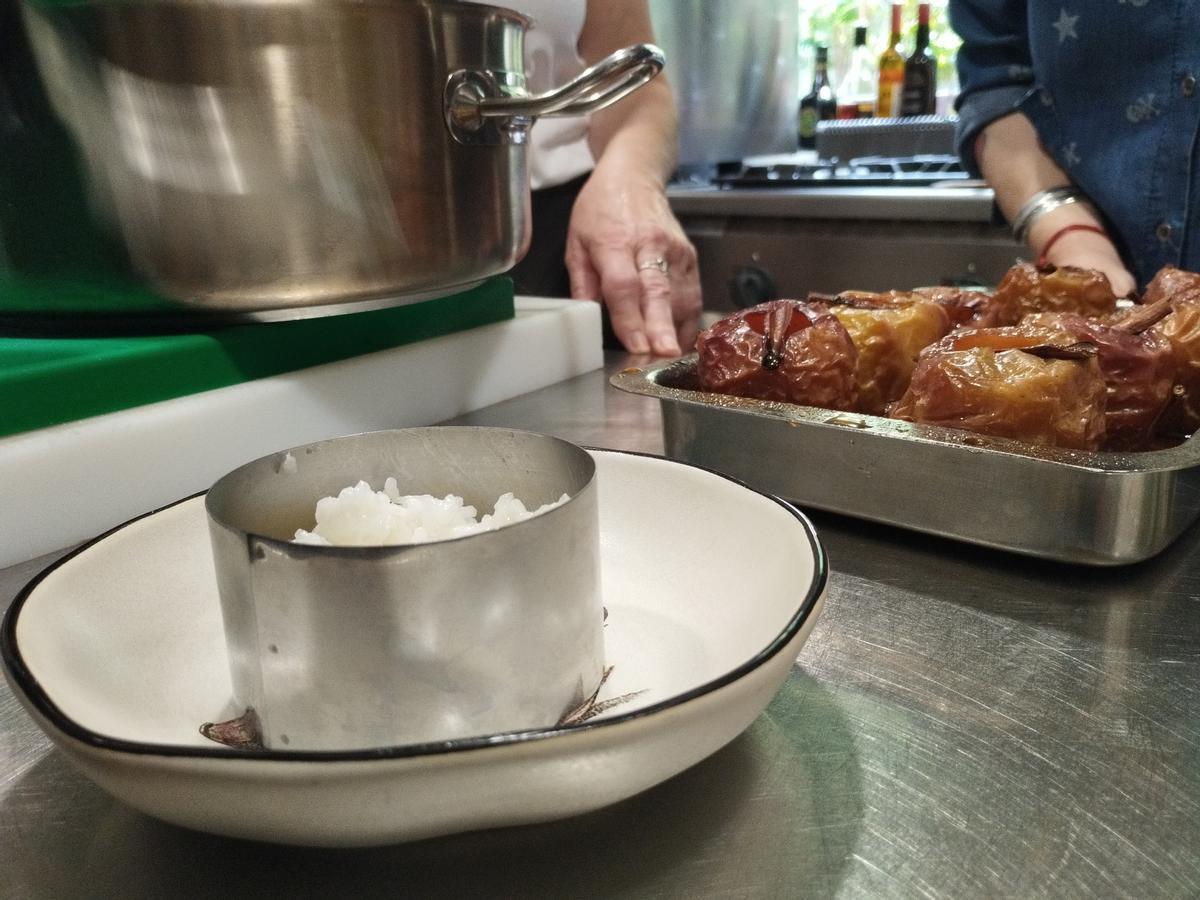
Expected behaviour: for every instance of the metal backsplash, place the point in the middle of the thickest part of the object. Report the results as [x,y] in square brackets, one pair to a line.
[734,69]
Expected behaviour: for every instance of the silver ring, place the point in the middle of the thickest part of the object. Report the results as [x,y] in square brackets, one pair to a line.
[660,264]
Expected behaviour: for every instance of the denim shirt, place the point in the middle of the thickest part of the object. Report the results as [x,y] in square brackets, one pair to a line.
[1111,89]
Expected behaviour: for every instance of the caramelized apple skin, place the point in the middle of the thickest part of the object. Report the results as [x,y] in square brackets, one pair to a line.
[1170,284]
[1008,393]
[888,343]
[1181,329]
[1027,289]
[962,307]
[782,350]
[967,308]
[1139,373]
[858,350]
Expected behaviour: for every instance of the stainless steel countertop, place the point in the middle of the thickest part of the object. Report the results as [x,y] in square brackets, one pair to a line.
[904,204]
[962,723]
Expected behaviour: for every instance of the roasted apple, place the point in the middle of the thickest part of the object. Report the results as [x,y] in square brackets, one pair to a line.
[1027,289]
[1179,292]
[1138,365]
[962,306]
[888,343]
[782,350]
[1006,383]
[1181,329]
[1171,283]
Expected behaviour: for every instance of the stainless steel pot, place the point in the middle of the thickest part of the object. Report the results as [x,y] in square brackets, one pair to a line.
[268,154]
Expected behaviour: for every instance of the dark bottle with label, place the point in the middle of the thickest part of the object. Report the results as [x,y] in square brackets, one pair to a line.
[819,103]
[920,72]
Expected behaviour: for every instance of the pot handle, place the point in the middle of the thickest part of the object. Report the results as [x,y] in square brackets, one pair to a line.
[472,98]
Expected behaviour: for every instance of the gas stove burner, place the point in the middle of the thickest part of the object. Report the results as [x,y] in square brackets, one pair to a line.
[866,171]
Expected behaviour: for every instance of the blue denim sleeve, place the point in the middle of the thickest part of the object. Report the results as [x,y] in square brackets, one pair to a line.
[994,66]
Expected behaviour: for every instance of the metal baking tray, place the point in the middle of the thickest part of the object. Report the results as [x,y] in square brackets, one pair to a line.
[1100,509]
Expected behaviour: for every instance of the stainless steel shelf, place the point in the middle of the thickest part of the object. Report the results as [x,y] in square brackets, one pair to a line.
[906,204]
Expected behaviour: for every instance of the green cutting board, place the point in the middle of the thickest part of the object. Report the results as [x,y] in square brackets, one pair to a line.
[48,381]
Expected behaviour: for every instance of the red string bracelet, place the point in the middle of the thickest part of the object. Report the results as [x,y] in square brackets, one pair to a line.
[1066,229]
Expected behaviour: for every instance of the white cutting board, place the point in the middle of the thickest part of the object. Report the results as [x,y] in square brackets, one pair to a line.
[70,482]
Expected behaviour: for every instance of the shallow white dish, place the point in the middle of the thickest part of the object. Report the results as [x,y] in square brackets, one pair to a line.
[711,589]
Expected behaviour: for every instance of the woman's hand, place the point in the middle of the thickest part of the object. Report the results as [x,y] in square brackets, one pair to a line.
[1017,166]
[1073,236]
[624,246]
[621,227]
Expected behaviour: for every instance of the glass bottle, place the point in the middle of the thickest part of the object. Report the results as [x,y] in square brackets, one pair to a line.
[856,93]
[818,104]
[891,71]
[920,72]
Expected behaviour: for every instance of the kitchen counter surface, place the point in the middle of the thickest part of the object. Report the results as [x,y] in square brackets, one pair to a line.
[962,723]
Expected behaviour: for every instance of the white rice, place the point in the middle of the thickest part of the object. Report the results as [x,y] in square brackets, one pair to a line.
[361,517]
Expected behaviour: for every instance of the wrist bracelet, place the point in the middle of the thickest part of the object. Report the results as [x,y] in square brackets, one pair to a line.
[1041,203]
[1066,229]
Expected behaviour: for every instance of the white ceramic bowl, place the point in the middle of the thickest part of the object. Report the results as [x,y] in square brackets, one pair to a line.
[711,590]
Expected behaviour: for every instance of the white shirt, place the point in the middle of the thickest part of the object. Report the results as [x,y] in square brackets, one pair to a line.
[558,148]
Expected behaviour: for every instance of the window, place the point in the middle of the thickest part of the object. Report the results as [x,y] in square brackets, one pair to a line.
[831,23]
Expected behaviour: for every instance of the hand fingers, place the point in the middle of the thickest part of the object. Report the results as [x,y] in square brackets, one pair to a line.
[585,281]
[1123,284]
[688,328]
[687,302]
[621,288]
[650,310]
[656,309]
